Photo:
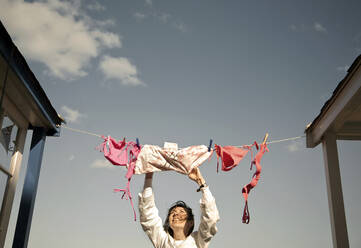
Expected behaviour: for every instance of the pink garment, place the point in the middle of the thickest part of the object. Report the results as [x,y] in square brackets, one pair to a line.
[151,158]
[256,176]
[231,156]
[154,158]
[117,154]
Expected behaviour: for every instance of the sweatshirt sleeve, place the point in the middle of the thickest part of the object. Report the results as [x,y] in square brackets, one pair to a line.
[149,217]
[209,217]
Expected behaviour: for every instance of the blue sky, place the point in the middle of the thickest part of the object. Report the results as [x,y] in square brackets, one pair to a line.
[185,72]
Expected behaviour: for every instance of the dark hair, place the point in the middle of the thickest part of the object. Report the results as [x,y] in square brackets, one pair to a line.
[190,217]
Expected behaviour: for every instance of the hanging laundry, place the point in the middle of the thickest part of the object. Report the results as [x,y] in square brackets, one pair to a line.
[231,156]
[115,152]
[154,158]
[256,176]
[150,158]
[122,153]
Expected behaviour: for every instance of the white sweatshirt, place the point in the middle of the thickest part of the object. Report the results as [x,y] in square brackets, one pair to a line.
[153,226]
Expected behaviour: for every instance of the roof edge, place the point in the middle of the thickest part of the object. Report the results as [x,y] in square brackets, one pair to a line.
[342,84]
[19,65]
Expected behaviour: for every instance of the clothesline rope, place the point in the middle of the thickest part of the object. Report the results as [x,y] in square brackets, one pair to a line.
[278,141]
[293,138]
[81,131]
[270,142]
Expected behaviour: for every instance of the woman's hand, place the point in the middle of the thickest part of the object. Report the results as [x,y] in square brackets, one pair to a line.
[196,176]
[148,180]
[149,175]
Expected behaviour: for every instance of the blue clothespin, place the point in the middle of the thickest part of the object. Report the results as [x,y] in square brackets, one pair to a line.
[210,145]
[137,142]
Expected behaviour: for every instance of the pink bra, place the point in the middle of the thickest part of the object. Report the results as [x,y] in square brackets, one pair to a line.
[122,154]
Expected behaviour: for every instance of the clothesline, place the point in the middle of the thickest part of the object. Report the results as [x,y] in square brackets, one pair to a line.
[270,142]
[142,159]
[281,140]
[81,131]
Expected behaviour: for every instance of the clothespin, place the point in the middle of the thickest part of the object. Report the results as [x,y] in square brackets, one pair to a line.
[137,142]
[265,138]
[210,145]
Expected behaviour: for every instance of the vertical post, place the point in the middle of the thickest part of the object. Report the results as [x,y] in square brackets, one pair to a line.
[11,184]
[2,115]
[30,188]
[334,191]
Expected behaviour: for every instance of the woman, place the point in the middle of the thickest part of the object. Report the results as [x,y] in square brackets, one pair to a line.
[178,227]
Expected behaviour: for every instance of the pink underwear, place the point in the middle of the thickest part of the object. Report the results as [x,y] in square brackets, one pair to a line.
[151,158]
[122,153]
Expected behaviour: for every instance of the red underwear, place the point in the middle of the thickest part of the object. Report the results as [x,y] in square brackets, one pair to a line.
[231,156]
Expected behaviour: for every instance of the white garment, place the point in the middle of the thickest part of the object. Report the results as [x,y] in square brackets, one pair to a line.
[153,226]
[154,158]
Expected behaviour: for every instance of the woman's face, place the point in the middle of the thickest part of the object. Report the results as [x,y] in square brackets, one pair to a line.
[178,218]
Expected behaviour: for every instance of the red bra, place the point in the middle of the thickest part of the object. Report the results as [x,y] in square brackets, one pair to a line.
[231,156]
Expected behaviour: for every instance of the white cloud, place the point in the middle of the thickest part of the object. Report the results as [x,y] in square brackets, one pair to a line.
[104,23]
[298,27]
[119,68]
[342,68]
[293,27]
[295,146]
[139,16]
[56,33]
[102,163]
[95,6]
[71,157]
[319,28]
[163,17]
[108,39]
[180,26]
[71,115]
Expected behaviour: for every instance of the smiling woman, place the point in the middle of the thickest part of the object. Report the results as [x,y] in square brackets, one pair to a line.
[180,217]
[177,230]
